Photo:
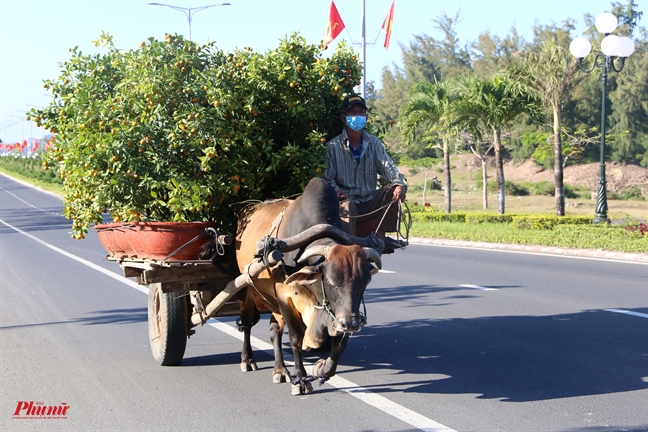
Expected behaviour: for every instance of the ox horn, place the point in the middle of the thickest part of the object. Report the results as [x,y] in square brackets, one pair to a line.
[317,250]
[373,256]
[321,231]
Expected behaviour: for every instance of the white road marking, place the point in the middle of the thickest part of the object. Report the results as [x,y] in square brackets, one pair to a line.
[478,287]
[386,271]
[81,260]
[367,396]
[621,311]
[31,205]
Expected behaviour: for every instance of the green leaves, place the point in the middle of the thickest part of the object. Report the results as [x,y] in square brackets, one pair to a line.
[178,131]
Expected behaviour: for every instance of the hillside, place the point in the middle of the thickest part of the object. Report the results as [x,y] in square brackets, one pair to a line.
[619,176]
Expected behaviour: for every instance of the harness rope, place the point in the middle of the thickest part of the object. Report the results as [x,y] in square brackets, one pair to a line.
[404,218]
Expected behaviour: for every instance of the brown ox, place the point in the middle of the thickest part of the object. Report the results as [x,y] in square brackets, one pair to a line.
[317,290]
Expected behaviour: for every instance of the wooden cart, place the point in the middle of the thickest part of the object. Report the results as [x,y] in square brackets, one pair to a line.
[184,294]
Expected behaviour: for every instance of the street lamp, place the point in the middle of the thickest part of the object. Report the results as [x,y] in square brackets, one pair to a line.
[188,11]
[614,48]
[22,128]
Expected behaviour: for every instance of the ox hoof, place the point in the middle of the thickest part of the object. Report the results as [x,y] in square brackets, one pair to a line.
[318,369]
[301,389]
[278,378]
[248,366]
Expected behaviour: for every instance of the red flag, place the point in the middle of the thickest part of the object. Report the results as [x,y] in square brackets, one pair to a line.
[24,144]
[48,145]
[388,24]
[334,27]
[17,145]
[35,147]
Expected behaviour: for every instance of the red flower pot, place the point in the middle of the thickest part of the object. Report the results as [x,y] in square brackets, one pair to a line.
[158,241]
[113,238]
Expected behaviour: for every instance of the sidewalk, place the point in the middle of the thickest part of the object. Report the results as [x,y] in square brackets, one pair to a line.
[547,250]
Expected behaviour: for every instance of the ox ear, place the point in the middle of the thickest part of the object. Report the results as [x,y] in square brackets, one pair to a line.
[305,276]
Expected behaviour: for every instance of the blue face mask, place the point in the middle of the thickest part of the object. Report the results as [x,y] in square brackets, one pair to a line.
[356,122]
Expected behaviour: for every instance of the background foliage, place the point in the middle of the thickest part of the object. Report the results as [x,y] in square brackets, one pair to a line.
[446,57]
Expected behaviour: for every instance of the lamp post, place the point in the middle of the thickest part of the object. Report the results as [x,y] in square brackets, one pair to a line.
[22,128]
[614,48]
[189,11]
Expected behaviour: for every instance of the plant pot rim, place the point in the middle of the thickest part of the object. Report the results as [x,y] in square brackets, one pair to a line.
[154,225]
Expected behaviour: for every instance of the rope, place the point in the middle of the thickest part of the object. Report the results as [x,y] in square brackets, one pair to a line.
[204,232]
[371,212]
[250,282]
[404,218]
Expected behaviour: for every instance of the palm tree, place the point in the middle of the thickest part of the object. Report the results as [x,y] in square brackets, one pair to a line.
[428,112]
[552,72]
[488,106]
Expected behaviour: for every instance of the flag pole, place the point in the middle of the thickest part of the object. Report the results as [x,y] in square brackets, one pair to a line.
[363,51]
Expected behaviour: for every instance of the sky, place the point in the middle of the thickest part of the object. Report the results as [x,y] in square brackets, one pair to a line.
[35,35]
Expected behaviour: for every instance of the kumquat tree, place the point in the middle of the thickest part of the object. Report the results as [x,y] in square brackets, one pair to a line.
[176,131]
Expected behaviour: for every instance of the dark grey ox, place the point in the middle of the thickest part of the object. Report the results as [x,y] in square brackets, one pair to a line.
[317,291]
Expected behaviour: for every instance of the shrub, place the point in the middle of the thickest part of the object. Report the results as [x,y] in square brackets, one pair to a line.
[176,131]
[548,222]
[510,188]
[479,218]
[544,188]
[632,193]
[30,167]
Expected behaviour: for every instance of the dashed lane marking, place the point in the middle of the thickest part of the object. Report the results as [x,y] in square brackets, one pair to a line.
[478,287]
[31,205]
[626,312]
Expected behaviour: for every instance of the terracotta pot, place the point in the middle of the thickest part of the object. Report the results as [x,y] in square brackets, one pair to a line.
[159,240]
[131,234]
[107,238]
[113,238]
[155,240]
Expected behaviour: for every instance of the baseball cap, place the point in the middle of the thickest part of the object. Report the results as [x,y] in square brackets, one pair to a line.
[352,100]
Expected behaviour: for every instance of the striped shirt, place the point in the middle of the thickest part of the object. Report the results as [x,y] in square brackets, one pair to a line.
[359,180]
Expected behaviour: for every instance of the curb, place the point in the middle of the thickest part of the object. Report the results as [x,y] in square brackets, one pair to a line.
[546,250]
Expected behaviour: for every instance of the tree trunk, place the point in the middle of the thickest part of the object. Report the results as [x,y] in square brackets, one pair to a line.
[558,165]
[482,158]
[484,182]
[499,167]
[448,178]
[425,185]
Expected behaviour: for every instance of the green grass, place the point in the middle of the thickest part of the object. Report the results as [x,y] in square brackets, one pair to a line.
[612,238]
[30,170]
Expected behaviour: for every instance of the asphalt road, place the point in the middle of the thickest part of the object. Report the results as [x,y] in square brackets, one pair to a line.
[457,339]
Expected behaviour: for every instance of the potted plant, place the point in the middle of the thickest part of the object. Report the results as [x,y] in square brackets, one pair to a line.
[175,131]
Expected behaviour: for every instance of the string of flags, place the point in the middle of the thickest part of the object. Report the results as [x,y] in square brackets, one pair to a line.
[8,147]
[335,25]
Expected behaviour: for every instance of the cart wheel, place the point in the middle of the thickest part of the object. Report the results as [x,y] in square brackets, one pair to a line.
[167,323]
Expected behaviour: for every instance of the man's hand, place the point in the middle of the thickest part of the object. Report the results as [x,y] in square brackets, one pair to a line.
[341,195]
[399,193]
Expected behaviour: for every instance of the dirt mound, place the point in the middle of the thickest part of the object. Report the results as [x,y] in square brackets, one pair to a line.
[619,176]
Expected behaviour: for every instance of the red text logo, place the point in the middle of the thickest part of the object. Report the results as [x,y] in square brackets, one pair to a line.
[38,410]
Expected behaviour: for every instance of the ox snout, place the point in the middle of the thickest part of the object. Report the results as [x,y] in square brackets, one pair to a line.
[348,324]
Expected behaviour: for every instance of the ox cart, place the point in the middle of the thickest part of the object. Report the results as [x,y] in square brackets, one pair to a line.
[186,293]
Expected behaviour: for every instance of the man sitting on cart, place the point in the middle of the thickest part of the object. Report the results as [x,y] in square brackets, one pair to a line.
[355,158]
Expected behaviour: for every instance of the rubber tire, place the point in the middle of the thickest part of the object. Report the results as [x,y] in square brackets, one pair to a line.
[168,325]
